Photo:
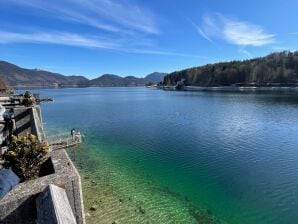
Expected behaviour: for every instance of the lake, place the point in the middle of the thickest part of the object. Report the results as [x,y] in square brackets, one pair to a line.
[153,156]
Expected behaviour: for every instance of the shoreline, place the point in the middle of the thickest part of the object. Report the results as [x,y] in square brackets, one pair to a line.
[231,88]
[68,87]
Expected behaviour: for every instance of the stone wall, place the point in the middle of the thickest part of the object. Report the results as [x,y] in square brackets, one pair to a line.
[18,206]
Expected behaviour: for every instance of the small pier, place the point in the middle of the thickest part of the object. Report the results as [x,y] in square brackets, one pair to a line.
[64,142]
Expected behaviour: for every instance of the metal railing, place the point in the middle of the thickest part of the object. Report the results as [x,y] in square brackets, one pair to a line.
[62,141]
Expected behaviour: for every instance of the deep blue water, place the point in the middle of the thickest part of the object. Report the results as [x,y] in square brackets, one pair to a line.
[233,153]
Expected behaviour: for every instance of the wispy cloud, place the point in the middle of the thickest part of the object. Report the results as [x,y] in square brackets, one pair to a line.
[200,31]
[123,26]
[165,53]
[245,34]
[203,34]
[245,52]
[240,33]
[109,15]
[60,38]
[87,41]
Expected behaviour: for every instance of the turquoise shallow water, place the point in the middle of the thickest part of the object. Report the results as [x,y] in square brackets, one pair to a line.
[178,155]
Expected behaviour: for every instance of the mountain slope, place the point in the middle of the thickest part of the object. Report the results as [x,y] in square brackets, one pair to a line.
[21,77]
[17,76]
[155,77]
[114,80]
[276,69]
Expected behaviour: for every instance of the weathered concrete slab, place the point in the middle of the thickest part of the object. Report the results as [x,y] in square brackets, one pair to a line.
[28,120]
[23,121]
[53,207]
[37,126]
[18,206]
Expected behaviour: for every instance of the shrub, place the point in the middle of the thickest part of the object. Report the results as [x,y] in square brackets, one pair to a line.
[25,155]
[149,83]
[28,99]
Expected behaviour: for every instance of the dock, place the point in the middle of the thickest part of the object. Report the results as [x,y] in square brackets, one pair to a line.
[64,142]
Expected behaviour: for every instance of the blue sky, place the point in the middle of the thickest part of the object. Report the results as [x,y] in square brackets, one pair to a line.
[134,37]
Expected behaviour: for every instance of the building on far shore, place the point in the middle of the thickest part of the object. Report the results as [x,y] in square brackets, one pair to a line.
[3,87]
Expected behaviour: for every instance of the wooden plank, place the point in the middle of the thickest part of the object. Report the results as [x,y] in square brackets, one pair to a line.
[53,207]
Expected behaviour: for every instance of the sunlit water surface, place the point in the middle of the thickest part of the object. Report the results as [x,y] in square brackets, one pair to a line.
[152,156]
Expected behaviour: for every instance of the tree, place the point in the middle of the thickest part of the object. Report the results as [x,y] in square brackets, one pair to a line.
[25,156]
[28,99]
[149,83]
[275,68]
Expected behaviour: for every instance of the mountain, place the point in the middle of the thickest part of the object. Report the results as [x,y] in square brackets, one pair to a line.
[114,80]
[17,76]
[155,77]
[276,69]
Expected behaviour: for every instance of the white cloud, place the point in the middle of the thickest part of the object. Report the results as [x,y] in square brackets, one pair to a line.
[201,32]
[117,25]
[235,32]
[87,41]
[245,52]
[109,15]
[245,34]
[60,38]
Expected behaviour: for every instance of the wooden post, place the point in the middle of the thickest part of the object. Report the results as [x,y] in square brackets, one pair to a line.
[53,207]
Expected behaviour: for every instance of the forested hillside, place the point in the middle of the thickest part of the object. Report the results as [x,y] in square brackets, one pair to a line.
[276,69]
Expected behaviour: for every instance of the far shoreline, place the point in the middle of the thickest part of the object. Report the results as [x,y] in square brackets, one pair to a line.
[230,88]
[69,87]
[173,88]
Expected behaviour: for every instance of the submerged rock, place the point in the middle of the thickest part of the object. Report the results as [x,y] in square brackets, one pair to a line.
[141,209]
[209,212]
[203,216]
[93,208]
[186,198]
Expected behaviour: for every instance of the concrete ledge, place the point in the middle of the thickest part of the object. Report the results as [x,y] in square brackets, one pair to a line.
[18,206]
[53,207]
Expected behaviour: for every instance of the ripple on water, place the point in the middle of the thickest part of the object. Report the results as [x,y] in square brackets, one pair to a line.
[124,196]
[233,155]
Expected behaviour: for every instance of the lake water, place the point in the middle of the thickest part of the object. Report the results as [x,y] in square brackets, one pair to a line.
[152,156]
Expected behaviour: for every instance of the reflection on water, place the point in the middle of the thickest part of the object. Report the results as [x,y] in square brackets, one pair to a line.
[179,157]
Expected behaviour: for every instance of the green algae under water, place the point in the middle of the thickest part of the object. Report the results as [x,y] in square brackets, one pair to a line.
[151,156]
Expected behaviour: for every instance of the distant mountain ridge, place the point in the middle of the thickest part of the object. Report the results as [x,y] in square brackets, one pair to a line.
[21,77]
[17,76]
[156,77]
[114,80]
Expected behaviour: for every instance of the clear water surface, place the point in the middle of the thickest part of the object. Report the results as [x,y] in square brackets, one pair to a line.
[180,156]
